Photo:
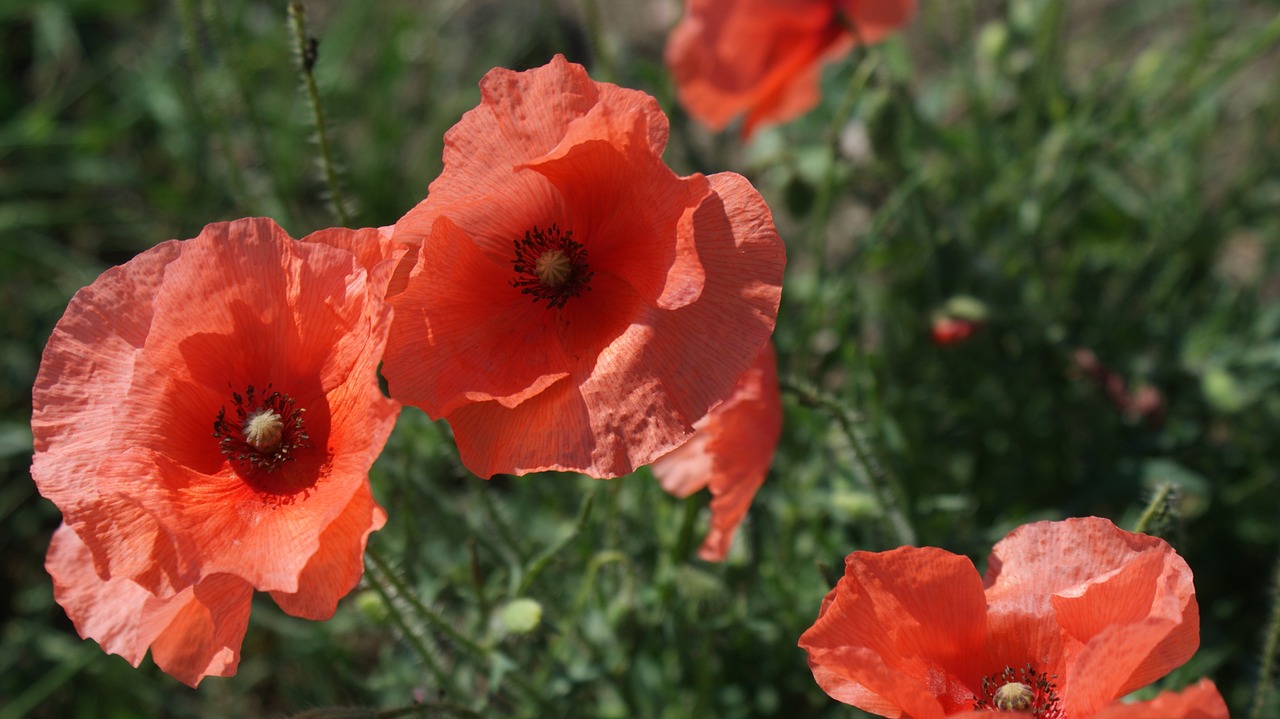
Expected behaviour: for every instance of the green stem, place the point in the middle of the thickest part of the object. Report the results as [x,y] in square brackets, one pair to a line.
[438,623]
[874,477]
[305,53]
[499,523]
[443,678]
[1264,687]
[435,620]
[540,562]
[1157,508]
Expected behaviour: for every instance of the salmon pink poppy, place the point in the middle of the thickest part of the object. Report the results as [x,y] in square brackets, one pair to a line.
[572,303]
[730,452]
[762,58]
[1071,616]
[205,417]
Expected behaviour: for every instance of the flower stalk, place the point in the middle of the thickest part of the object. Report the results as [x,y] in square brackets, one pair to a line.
[305,53]
[1265,686]
[869,471]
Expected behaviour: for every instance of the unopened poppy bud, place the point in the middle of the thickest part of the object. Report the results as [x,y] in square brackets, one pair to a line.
[1014,697]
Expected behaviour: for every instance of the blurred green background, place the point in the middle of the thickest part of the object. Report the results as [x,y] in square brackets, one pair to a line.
[1094,175]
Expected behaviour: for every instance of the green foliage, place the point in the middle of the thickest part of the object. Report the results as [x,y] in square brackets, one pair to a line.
[1100,176]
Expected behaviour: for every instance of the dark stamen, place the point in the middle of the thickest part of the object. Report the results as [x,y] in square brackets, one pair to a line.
[231,433]
[549,281]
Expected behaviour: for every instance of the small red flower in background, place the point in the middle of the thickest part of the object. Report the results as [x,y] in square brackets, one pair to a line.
[205,417]
[763,58]
[1071,616]
[730,453]
[572,303]
[957,319]
[951,330]
[1145,403]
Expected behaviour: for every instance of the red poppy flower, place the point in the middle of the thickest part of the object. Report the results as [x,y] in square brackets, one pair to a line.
[574,304]
[1070,616]
[205,418]
[951,330]
[762,58]
[730,452]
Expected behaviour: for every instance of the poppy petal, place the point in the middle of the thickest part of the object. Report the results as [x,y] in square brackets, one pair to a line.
[916,613]
[762,59]
[650,203]
[338,565]
[192,634]
[615,371]
[731,451]
[462,334]
[1198,701]
[1123,606]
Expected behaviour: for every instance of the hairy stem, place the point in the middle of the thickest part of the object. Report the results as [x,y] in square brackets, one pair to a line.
[304,51]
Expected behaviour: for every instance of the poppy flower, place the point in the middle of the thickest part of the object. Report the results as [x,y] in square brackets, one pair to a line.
[951,330]
[1070,616]
[573,304]
[205,417]
[762,58]
[730,452]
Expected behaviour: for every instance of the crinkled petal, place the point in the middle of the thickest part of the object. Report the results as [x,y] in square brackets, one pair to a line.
[731,451]
[337,566]
[192,634]
[686,283]
[1198,701]
[858,676]
[521,116]
[761,59]
[375,249]
[902,629]
[241,305]
[1121,604]
[462,334]
[642,239]
[86,368]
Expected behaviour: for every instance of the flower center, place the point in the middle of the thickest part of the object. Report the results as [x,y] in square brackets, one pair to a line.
[266,431]
[551,266]
[1022,690]
[263,430]
[1014,697]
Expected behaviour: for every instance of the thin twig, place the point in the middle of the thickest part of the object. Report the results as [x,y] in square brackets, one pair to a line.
[1157,509]
[877,480]
[1263,688]
[305,51]
[376,580]
[540,562]
[435,620]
